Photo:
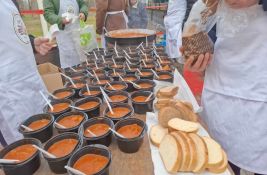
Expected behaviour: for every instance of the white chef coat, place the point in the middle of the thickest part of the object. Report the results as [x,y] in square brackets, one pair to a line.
[67,51]
[173,24]
[235,89]
[20,81]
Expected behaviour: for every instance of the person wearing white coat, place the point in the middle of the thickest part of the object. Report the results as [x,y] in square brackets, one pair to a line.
[173,22]
[234,98]
[20,81]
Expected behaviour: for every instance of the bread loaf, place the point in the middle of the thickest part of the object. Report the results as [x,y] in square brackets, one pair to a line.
[183,125]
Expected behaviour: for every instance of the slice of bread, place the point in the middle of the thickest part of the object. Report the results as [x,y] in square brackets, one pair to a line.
[166,114]
[188,105]
[183,125]
[222,167]
[156,134]
[185,150]
[201,151]
[169,91]
[215,156]
[193,152]
[171,153]
[187,114]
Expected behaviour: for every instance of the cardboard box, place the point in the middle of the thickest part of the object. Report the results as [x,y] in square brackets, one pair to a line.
[51,76]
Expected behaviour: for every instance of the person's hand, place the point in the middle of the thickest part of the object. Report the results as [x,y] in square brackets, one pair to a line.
[82,16]
[65,21]
[200,64]
[42,45]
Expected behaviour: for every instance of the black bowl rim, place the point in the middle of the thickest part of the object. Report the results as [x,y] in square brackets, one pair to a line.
[17,142]
[60,135]
[89,98]
[56,102]
[52,119]
[75,81]
[85,117]
[85,89]
[119,104]
[141,91]
[135,138]
[81,129]
[116,82]
[64,89]
[149,81]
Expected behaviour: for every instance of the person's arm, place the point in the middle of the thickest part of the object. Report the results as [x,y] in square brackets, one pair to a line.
[40,45]
[101,10]
[83,9]
[51,15]
[144,17]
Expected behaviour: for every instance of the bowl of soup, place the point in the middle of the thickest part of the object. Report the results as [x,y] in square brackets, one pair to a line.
[149,64]
[79,84]
[76,76]
[70,121]
[59,107]
[141,103]
[99,126]
[165,76]
[131,69]
[28,157]
[119,58]
[92,159]
[89,105]
[145,85]
[131,77]
[118,65]
[116,86]
[68,71]
[94,91]
[165,68]
[120,111]
[64,93]
[145,74]
[103,80]
[62,146]
[98,72]
[133,131]
[115,73]
[42,126]
[118,97]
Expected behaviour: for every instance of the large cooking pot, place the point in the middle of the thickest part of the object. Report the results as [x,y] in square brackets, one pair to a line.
[130,37]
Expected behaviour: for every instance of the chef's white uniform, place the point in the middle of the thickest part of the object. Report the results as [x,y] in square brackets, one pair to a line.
[68,53]
[173,24]
[235,90]
[20,81]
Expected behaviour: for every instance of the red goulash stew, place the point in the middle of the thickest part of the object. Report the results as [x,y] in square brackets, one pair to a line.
[60,107]
[63,147]
[89,105]
[61,95]
[71,121]
[21,153]
[130,131]
[39,124]
[118,112]
[98,129]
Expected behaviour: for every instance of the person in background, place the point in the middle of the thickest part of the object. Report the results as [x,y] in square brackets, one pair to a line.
[173,24]
[234,97]
[20,81]
[53,11]
[111,15]
[137,15]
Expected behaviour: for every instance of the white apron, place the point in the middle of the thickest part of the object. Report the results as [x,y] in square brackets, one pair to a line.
[20,81]
[67,51]
[103,40]
[173,24]
[235,90]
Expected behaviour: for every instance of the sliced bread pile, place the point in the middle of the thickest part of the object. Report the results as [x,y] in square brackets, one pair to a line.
[182,150]
[170,108]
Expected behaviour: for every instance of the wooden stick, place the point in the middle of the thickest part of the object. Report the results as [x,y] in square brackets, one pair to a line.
[104,95]
[88,90]
[93,134]
[103,58]
[148,98]
[111,86]
[26,128]
[155,73]
[59,125]
[139,71]
[74,171]
[128,66]
[95,55]
[47,101]
[115,132]
[74,107]
[96,77]
[7,161]
[69,79]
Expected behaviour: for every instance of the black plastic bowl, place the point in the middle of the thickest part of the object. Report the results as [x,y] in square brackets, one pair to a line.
[42,134]
[93,112]
[105,139]
[119,65]
[91,88]
[142,107]
[99,73]
[28,167]
[153,84]
[130,85]
[71,96]
[119,59]
[57,114]
[73,129]
[168,74]
[57,164]
[76,76]
[145,77]
[130,145]
[121,72]
[69,85]
[122,93]
[95,82]
[132,70]
[92,149]
[114,83]
[115,120]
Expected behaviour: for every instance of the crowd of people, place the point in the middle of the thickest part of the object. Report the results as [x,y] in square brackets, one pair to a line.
[234,98]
